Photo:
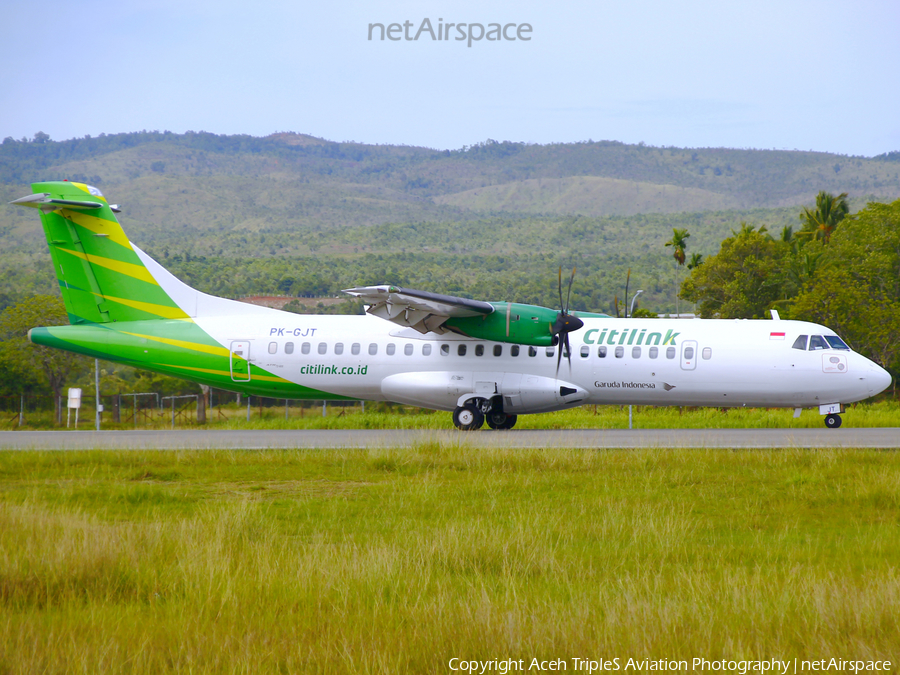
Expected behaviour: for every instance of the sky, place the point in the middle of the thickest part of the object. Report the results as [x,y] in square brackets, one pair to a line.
[785,74]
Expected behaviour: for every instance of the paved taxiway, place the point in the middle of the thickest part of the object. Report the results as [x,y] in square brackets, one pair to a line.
[521,438]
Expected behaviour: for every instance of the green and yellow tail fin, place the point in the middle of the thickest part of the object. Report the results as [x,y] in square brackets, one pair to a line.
[101,276]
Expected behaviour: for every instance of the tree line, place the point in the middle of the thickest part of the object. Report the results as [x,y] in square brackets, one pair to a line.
[836,269]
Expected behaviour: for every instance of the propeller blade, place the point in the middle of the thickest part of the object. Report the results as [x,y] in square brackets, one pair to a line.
[560,291]
[559,357]
[565,323]
[569,293]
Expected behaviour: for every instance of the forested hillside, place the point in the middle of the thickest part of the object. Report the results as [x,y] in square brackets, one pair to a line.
[299,215]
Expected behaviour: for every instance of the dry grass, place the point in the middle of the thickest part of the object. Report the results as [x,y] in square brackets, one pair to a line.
[390,561]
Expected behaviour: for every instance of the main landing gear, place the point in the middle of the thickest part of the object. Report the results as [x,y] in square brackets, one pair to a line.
[500,420]
[468,418]
[833,421]
[476,412]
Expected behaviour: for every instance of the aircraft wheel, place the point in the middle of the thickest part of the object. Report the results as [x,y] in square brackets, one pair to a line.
[468,418]
[501,420]
[833,421]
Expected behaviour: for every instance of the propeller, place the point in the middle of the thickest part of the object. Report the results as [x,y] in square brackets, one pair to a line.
[565,323]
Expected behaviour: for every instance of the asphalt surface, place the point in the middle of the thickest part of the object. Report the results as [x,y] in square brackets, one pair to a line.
[522,438]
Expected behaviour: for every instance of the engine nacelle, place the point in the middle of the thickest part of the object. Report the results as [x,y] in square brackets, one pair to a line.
[445,390]
[524,394]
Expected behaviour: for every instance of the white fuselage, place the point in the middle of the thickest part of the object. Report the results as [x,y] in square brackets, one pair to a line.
[647,361]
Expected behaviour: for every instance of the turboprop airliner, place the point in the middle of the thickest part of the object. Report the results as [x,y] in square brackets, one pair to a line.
[482,361]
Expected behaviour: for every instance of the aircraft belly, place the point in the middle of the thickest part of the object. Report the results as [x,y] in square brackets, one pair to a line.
[436,389]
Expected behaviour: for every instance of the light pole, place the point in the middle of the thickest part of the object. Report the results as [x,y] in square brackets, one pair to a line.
[631,311]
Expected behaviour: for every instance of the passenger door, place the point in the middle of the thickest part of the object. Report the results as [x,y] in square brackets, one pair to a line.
[239,358]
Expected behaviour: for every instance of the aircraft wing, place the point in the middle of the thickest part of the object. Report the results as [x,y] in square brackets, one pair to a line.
[426,312]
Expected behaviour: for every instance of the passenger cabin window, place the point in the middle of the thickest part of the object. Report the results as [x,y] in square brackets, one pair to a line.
[670,352]
[304,348]
[408,349]
[688,353]
[800,342]
[273,347]
[426,350]
[514,350]
[620,352]
[354,348]
[445,350]
[817,342]
[635,352]
[339,348]
[550,351]
[323,347]
[461,350]
[654,352]
[707,353]
[498,350]
[479,350]
[288,347]
[585,351]
[373,348]
[532,351]
[601,352]
[391,348]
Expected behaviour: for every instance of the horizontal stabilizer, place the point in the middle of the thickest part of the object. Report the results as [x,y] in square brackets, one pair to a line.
[46,203]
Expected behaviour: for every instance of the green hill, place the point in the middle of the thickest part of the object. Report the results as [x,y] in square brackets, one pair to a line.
[294,213]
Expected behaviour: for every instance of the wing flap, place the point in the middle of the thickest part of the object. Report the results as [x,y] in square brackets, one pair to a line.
[424,311]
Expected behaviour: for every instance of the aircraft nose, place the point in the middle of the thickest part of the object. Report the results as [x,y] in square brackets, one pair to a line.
[879,379]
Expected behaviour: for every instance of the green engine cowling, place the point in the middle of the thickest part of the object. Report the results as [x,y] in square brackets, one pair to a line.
[513,322]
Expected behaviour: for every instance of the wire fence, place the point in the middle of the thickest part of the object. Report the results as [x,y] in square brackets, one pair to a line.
[142,410]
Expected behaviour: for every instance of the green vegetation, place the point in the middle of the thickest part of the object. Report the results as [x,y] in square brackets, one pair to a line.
[840,271]
[390,561]
[300,215]
[26,368]
[270,414]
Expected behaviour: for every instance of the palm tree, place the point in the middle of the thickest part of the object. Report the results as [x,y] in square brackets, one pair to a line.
[678,243]
[695,261]
[822,222]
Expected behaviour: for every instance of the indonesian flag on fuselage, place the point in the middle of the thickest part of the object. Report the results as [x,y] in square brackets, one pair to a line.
[775,335]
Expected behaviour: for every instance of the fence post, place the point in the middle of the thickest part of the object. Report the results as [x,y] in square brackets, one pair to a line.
[248,407]
[21,409]
[97,408]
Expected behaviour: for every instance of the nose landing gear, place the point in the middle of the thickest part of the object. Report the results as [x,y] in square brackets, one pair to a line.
[833,421]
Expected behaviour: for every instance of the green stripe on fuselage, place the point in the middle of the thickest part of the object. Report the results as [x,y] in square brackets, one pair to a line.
[177,348]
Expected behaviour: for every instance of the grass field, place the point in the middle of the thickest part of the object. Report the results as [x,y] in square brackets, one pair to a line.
[395,561]
[882,413]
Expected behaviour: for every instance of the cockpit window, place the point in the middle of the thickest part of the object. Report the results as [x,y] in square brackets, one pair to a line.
[817,342]
[800,342]
[836,342]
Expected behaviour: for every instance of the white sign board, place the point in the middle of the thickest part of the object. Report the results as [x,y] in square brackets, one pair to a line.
[74,398]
